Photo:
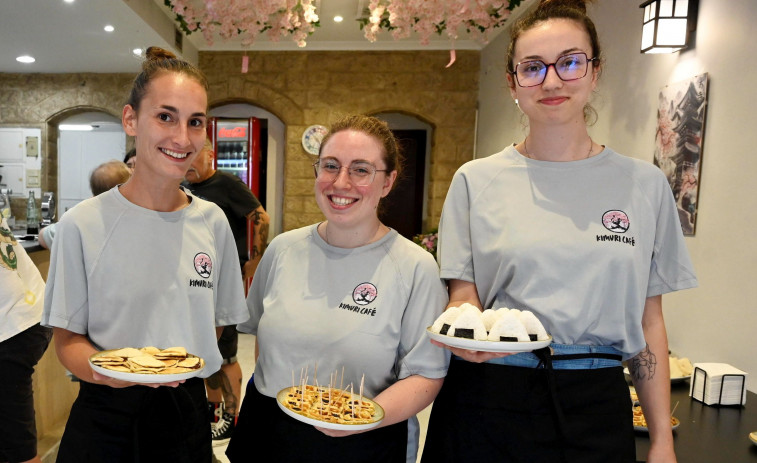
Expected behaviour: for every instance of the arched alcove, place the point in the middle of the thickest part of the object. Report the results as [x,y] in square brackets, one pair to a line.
[408,202]
[71,155]
[273,130]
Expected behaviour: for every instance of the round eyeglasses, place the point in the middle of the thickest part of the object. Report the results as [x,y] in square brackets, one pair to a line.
[360,173]
[567,67]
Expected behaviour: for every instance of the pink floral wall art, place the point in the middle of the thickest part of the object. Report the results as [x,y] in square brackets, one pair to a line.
[678,143]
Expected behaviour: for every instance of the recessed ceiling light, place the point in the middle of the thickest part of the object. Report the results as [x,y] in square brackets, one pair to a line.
[69,1]
[109,28]
[25,59]
[137,52]
[338,19]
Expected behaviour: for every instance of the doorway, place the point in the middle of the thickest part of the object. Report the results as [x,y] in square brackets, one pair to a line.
[85,141]
[404,209]
[272,151]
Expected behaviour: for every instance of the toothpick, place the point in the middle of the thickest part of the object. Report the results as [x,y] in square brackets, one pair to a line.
[674,408]
[362,380]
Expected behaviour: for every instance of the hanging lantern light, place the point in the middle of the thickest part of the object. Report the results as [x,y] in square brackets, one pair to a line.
[668,25]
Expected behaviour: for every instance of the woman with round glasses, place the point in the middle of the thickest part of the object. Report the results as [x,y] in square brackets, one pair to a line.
[347,298]
[586,239]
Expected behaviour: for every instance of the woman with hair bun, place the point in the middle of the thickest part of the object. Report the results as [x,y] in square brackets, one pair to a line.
[145,264]
[586,239]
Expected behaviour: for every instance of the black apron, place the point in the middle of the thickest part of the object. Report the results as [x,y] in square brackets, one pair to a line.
[489,412]
[264,430]
[138,424]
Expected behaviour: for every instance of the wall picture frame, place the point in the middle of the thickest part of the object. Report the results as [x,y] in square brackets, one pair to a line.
[679,138]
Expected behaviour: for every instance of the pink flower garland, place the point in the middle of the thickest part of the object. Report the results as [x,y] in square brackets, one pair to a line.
[426,17]
[247,18]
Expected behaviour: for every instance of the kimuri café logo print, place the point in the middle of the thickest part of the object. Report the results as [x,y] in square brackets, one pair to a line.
[204,267]
[362,295]
[617,222]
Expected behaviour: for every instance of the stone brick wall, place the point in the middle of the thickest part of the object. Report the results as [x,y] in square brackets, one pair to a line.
[317,87]
[43,100]
[301,88]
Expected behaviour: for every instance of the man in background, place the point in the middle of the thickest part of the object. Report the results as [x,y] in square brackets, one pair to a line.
[130,159]
[103,178]
[224,388]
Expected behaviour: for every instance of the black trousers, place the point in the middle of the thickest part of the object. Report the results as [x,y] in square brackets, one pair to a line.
[488,412]
[138,424]
[263,429]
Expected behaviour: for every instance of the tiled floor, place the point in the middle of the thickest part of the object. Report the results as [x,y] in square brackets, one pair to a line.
[246,356]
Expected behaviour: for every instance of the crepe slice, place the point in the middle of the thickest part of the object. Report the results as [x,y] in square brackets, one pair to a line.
[490,316]
[102,359]
[147,361]
[152,350]
[444,321]
[533,326]
[171,352]
[469,325]
[127,352]
[509,328]
[189,362]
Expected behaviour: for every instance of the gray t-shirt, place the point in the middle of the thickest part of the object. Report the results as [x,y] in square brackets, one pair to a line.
[126,276]
[364,309]
[581,244]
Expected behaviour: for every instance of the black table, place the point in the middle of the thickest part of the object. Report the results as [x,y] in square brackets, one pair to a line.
[708,433]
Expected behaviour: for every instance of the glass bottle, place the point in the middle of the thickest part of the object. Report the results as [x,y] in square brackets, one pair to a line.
[32,215]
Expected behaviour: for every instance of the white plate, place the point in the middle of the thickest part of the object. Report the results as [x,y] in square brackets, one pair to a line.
[142,378]
[281,398]
[678,379]
[488,346]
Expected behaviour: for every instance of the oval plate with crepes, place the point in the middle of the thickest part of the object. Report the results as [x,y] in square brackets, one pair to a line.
[488,346]
[303,410]
[147,364]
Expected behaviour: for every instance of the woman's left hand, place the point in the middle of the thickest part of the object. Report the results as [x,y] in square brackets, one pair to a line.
[474,356]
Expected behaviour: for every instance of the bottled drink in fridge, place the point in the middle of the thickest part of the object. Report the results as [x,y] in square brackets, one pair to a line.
[32,215]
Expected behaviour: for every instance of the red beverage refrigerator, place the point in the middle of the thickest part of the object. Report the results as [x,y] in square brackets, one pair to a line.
[236,143]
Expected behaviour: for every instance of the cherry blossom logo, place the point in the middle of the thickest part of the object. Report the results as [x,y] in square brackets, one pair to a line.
[616,221]
[364,294]
[203,265]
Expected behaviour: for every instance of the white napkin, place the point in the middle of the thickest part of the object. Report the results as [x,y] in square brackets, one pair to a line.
[709,378]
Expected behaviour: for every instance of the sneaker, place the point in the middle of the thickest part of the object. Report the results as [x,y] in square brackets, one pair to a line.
[215,411]
[222,430]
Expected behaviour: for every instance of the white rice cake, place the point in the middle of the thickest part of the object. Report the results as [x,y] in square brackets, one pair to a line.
[470,323]
[508,325]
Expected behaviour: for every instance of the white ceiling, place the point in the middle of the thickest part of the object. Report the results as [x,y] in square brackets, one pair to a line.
[69,37]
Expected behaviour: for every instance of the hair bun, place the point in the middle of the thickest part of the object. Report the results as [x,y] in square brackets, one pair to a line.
[579,5]
[157,53]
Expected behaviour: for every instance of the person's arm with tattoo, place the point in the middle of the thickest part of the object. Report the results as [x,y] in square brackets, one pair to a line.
[260,223]
[650,372]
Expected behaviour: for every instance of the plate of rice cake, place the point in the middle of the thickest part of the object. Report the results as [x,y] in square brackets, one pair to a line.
[640,423]
[330,408]
[493,330]
[147,364]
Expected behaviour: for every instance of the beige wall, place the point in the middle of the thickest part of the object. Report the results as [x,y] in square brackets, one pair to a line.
[305,88]
[715,322]
[301,88]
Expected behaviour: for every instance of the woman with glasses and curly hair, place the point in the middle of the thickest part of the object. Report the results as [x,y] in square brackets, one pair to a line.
[346,295]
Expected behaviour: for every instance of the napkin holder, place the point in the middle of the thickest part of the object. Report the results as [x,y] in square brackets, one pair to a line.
[702,375]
